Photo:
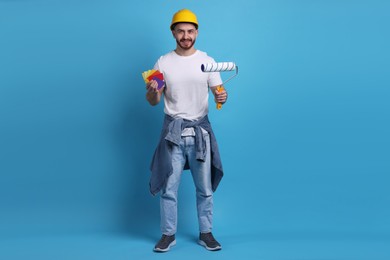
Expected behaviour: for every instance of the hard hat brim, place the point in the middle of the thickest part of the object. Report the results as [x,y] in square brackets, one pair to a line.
[174,24]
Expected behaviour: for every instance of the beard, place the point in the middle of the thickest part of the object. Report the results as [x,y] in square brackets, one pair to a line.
[183,45]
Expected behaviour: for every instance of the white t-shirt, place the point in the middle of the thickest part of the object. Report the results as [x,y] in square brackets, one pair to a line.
[187,87]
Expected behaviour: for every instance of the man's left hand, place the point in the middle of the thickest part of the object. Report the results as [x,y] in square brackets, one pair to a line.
[220,96]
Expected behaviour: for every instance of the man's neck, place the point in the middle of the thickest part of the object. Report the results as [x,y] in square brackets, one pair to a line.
[183,52]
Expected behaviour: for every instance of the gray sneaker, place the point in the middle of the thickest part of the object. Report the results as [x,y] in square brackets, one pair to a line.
[208,241]
[165,243]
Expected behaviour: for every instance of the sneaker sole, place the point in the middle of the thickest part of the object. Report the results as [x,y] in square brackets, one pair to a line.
[209,248]
[156,249]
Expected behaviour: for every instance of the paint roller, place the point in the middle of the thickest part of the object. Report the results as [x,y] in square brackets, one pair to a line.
[220,67]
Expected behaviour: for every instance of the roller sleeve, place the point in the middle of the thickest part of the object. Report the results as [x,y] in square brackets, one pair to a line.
[217,67]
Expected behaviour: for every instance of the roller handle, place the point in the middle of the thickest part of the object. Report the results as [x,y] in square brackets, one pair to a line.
[219,88]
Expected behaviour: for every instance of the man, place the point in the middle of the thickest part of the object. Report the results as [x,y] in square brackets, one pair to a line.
[187,140]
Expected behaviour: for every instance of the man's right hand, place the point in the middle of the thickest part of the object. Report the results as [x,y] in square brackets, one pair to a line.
[153,94]
[151,87]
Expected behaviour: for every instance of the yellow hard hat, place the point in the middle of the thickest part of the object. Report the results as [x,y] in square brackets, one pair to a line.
[184,16]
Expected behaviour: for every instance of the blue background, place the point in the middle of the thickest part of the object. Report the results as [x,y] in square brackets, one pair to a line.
[304,137]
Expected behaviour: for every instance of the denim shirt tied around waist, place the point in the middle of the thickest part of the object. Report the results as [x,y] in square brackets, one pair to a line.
[161,166]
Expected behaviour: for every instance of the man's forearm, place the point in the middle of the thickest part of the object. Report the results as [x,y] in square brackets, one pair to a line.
[153,98]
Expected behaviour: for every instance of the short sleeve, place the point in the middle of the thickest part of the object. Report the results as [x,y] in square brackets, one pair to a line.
[214,78]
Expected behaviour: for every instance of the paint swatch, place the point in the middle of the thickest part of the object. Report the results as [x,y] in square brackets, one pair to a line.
[154,75]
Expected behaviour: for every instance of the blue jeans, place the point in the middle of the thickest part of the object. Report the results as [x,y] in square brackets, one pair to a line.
[201,174]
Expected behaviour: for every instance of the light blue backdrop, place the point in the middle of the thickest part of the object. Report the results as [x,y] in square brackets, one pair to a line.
[304,136]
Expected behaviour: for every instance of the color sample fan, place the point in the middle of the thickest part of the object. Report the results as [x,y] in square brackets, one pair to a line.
[154,75]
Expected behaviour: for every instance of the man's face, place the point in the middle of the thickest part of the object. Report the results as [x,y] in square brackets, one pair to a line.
[185,35]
